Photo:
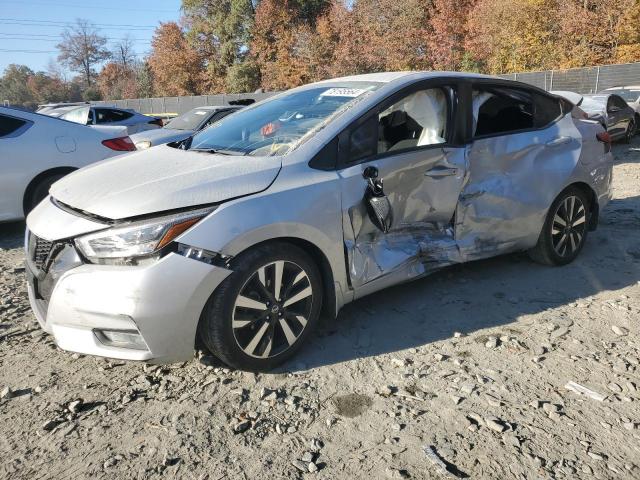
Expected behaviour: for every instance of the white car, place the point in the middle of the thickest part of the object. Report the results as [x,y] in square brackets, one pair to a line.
[110,116]
[37,150]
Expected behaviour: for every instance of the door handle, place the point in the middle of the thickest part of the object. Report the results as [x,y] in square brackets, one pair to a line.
[559,141]
[438,172]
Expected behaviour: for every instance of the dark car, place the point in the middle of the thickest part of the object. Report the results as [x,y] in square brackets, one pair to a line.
[613,113]
[183,126]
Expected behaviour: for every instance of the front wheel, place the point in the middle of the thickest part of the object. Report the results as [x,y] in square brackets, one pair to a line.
[565,229]
[631,131]
[263,312]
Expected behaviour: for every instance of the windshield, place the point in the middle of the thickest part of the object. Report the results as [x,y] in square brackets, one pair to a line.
[78,115]
[594,103]
[275,126]
[190,120]
[629,95]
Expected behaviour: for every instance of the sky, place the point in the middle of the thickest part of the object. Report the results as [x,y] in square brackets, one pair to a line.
[30,29]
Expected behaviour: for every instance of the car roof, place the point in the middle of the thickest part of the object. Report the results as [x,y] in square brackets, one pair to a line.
[388,77]
[626,87]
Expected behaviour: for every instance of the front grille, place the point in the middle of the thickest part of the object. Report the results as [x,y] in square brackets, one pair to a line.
[41,251]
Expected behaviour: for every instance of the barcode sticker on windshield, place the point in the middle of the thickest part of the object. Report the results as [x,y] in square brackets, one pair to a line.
[343,92]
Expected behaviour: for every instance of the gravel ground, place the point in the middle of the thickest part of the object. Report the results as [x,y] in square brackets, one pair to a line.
[461,374]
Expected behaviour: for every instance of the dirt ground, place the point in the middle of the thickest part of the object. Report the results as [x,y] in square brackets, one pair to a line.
[470,364]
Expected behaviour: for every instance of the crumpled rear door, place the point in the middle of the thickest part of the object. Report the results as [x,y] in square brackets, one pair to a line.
[513,179]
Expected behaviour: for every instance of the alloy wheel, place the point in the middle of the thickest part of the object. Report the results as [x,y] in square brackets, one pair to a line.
[569,226]
[272,309]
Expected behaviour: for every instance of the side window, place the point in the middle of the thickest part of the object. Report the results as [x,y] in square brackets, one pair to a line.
[419,119]
[10,126]
[501,110]
[547,110]
[107,115]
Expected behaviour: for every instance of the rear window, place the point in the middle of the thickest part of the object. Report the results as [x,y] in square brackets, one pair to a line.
[10,126]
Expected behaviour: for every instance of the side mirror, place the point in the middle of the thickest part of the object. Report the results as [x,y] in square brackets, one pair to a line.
[370,173]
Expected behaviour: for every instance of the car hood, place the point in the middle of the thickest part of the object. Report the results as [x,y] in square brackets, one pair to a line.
[161,179]
[161,135]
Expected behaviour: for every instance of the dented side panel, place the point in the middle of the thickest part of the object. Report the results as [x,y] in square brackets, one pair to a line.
[423,187]
[512,181]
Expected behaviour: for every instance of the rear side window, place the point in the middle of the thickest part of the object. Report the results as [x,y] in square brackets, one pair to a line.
[107,115]
[547,110]
[502,110]
[10,126]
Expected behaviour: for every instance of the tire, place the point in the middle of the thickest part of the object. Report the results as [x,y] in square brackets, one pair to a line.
[630,132]
[40,191]
[246,324]
[560,244]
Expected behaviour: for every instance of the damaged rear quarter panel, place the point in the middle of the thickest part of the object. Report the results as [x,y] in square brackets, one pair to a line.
[512,181]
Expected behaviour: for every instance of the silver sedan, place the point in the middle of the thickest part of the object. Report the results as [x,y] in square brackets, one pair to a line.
[246,233]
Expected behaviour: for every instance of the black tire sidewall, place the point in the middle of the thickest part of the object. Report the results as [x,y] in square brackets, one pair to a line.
[546,232]
[41,190]
[215,327]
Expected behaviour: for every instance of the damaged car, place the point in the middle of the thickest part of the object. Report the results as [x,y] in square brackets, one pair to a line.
[241,237]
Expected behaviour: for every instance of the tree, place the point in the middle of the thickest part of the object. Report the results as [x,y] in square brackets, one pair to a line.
[275,46]
[628,48]
[47,89]
[243,77]
[14,85]
[124,52]
[176,66]
[220,30]
[117,81]
[81,49]
[448,22]
[507,36]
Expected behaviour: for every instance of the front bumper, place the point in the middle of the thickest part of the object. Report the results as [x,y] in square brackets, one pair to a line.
[162,301]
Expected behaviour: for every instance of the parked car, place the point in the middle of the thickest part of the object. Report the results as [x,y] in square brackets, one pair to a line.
[36,150]
[48,108]
[182,126]
[631,95]
[106,116]
[613,113]
[245,233]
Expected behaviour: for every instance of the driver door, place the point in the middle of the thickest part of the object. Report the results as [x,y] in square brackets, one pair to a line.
[409,140]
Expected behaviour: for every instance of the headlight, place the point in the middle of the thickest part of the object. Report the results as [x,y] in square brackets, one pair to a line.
[143,145]
[137,239]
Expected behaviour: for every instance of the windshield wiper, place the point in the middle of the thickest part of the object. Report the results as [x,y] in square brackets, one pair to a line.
[218,152]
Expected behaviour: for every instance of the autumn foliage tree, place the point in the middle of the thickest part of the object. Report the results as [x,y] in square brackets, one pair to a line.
[176,66]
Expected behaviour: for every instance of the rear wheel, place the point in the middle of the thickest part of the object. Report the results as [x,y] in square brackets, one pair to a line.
[565,229]
[40,191]
[264,311]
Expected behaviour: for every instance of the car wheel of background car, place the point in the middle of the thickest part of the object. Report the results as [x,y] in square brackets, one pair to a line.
[631,131]
[263,312]
[40,191]
[565,229]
